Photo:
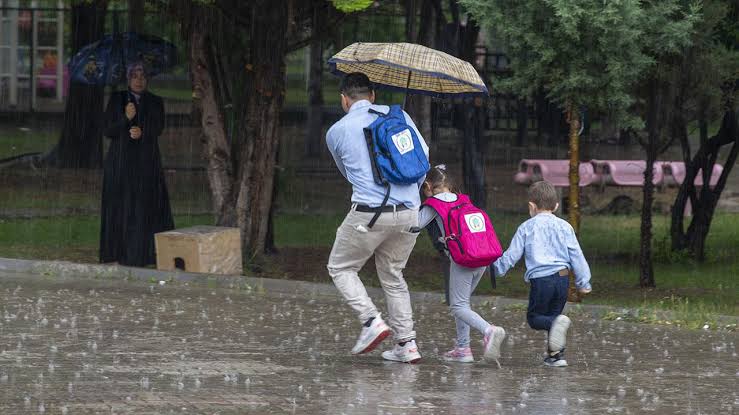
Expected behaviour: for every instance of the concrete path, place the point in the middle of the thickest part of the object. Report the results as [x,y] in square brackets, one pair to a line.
[78,346]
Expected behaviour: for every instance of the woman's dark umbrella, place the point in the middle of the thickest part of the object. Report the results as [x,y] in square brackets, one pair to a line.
[104,62]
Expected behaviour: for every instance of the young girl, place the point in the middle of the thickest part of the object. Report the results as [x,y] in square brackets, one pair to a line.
[462,280]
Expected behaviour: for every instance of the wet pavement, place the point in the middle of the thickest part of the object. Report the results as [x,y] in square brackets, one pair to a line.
[90,346]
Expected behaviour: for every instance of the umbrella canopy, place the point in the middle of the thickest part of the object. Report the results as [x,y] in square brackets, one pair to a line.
[410,68]
[104,62]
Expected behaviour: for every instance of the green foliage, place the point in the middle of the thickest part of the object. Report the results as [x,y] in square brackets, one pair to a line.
[584,51]
[351,6]
[664,253]
[711,62]
[675,311]
[610,244]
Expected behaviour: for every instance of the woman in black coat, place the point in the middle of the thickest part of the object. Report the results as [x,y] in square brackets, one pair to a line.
[135,202]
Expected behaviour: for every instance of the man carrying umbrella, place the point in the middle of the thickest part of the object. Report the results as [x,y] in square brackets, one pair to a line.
[391,235]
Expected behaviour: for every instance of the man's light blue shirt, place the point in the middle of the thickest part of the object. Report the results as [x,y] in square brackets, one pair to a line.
[347,144]
[549,244]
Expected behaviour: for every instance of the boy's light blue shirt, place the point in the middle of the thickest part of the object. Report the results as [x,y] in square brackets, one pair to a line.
[347,144]
[549,244]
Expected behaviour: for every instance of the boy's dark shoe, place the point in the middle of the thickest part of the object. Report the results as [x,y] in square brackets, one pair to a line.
[556,360]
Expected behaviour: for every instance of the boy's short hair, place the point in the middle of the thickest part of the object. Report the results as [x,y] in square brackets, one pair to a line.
[355,85]
[543,195]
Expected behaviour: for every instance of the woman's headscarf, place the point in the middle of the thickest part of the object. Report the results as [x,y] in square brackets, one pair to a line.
[133,67]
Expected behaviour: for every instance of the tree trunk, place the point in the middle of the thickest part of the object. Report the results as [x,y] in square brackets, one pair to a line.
[522,121]
[573,203]
[646,271]
[217,146]
[419,106]
[410,20]
[136,16]
[258,155]
[474,154]
[314,136]
[270,246]
[704,202]
[686,191]
[80,144]
[660,106]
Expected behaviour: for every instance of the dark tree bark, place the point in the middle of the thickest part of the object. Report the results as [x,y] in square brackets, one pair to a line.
[473,163]
[660,108]
[314,134]
[238,60]
[646,270]
[460,41]
[136,16]
[703,200]
[573,200]
[430,22]
[522,127]
[80,144]
[205,101]
[410,19]
[258,155]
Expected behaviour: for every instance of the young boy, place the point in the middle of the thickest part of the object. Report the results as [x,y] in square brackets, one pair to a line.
[552,252]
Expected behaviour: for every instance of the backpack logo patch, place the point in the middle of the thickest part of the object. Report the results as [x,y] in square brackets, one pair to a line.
[403,141]
[475,222]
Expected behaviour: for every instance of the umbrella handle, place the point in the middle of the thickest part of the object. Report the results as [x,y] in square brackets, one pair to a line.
[407,86]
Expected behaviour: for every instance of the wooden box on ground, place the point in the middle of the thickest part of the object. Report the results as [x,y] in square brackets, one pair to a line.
[207,249]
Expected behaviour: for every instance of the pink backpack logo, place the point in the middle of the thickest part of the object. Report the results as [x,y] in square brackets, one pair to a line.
[470,237]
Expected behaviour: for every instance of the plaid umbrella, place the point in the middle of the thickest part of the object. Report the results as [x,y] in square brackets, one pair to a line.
[411,68]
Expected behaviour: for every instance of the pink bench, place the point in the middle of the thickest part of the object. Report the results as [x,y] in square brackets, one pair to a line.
[553,171]
[626,172]
[676,172]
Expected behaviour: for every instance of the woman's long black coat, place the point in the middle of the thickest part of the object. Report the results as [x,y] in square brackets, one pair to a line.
[135,202]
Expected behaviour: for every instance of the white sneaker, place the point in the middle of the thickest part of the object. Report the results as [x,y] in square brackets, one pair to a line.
[491,342]
[407,353]
[558,333]
[459,355]
[371,336]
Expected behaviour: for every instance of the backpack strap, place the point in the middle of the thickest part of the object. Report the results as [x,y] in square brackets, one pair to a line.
[373,161]
[375,170]
[379,209]
[381,114]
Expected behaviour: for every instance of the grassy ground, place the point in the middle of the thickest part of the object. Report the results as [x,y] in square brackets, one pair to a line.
[611,245]
[15,141]
[695,292]
[64,224]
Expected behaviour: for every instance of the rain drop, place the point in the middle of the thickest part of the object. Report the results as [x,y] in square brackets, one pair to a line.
[144,382]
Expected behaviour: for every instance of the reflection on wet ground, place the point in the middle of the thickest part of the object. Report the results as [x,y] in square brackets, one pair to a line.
[90,346]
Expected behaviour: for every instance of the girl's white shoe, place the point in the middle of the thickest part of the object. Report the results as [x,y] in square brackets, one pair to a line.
[492,341]
[459,355]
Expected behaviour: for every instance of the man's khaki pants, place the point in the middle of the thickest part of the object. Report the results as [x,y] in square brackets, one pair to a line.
[391,243]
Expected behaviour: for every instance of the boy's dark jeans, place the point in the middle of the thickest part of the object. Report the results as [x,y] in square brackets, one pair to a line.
[547,299]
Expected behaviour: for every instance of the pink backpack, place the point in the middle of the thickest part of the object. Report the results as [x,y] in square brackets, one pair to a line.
[470,237]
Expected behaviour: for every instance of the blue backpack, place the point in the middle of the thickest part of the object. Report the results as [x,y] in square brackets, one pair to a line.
[395,151]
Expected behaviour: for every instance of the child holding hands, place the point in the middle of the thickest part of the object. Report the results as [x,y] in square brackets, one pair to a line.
[443,199]
[551,251]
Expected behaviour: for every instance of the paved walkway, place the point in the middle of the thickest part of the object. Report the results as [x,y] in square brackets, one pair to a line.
[71,346]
